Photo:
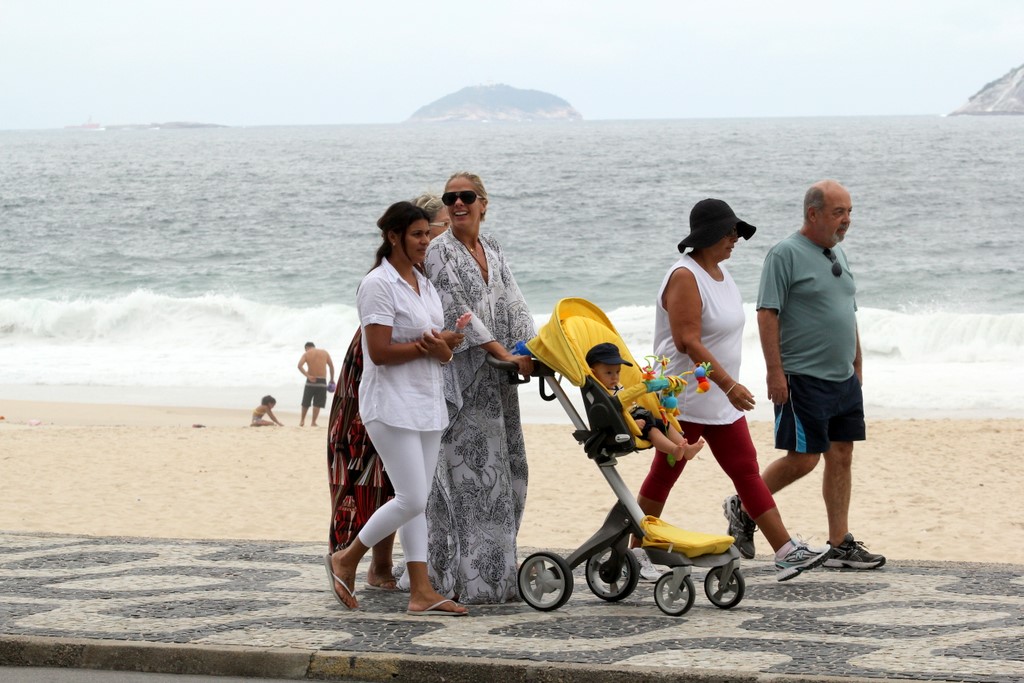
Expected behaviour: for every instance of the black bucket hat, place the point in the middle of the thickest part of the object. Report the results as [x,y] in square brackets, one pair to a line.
[710,221]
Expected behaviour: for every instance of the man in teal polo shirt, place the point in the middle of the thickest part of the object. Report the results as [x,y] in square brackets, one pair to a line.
[806,314]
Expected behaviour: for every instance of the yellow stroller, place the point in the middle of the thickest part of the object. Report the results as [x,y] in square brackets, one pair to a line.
[612,571]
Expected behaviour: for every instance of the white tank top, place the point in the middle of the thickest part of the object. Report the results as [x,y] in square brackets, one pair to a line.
[722,322]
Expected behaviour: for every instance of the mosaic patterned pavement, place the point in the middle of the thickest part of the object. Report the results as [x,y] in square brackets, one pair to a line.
[936,621]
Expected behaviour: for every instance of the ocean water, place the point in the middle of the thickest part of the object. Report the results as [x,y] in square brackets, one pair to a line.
[188,267]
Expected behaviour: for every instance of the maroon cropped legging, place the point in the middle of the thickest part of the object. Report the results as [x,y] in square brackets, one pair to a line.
[735,453]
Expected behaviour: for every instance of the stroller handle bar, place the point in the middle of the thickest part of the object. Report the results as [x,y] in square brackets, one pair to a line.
[540,370]
[513,370]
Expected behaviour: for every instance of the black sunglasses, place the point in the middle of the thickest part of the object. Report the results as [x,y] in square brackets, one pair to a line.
[467,197]
[837,269]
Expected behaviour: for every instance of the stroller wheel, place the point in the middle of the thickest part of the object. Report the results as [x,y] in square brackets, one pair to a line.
[674,596]
[611,580]
[727,594]
[545,581]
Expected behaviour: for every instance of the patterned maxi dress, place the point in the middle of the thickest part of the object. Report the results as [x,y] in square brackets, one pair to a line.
[355,472]
[479,492]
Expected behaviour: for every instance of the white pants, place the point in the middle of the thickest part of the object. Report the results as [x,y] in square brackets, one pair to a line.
[410,458]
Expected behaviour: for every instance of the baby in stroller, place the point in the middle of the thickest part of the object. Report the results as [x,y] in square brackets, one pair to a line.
[605,361]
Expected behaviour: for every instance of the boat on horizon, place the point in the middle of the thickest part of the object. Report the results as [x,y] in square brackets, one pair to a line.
[88,125]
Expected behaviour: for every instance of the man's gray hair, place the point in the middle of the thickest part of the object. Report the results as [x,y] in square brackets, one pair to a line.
[814,199]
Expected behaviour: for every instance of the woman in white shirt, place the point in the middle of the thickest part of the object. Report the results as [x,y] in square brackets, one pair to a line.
[401,402]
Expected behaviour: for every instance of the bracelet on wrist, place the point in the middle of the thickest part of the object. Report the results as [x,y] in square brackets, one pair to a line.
[446,362]
[734,385]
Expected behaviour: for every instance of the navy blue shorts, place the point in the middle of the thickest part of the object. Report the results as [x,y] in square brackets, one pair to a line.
[819,412]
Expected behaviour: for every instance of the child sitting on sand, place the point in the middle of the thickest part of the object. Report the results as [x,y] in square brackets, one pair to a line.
[605,361]
[265,409]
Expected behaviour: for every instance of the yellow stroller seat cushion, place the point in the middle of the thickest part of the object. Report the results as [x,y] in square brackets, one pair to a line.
[662,535]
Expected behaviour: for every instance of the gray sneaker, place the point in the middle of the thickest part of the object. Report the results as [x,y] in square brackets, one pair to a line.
[741,526]
[851,554]
[800,559]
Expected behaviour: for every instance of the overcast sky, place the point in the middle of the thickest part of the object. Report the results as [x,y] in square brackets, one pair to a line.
[254,62]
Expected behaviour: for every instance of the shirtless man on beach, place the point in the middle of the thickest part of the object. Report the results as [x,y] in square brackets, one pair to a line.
[316,362]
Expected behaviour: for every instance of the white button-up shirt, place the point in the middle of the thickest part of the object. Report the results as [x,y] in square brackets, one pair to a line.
[408,395]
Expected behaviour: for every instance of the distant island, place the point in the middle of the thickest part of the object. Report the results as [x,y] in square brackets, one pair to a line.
[497,103]
[169,124]
[91,125]
[1002,96]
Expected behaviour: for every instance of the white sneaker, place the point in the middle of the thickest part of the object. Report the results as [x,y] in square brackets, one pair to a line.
[648,572]
[799,559]
[401,576]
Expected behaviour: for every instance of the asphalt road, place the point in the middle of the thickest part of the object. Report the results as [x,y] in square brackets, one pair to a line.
[16,674]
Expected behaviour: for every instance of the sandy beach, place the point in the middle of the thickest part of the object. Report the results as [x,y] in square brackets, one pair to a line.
[923,489]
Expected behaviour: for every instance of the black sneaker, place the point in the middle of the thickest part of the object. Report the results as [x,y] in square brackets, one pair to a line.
[741,526]
[851,554]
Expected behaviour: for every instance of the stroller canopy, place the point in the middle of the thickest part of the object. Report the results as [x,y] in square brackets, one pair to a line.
[576,325]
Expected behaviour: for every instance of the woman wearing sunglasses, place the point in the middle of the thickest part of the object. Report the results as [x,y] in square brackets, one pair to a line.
[479,492]
[438,212]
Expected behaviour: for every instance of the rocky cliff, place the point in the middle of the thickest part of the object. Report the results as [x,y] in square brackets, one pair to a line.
[1003,96]
[497,103]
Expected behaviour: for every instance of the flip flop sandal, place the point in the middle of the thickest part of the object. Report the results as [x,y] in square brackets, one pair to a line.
[331,578]
[433,611]
[384,586]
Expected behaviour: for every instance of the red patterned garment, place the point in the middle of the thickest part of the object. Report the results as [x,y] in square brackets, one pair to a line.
[355,472]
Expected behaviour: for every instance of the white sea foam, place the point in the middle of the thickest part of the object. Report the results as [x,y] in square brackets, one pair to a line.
[147,339]
[928,363]
[935,337]
[224,348]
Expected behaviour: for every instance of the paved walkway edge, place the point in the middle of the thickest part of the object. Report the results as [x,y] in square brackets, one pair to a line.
[296,664]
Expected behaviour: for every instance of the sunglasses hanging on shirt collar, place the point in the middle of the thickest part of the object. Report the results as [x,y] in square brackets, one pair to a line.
[837,269]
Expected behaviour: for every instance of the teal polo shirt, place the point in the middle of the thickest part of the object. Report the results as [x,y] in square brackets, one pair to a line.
[817,310]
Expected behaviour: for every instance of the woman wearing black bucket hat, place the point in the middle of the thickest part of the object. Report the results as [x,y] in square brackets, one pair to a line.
[699,318]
